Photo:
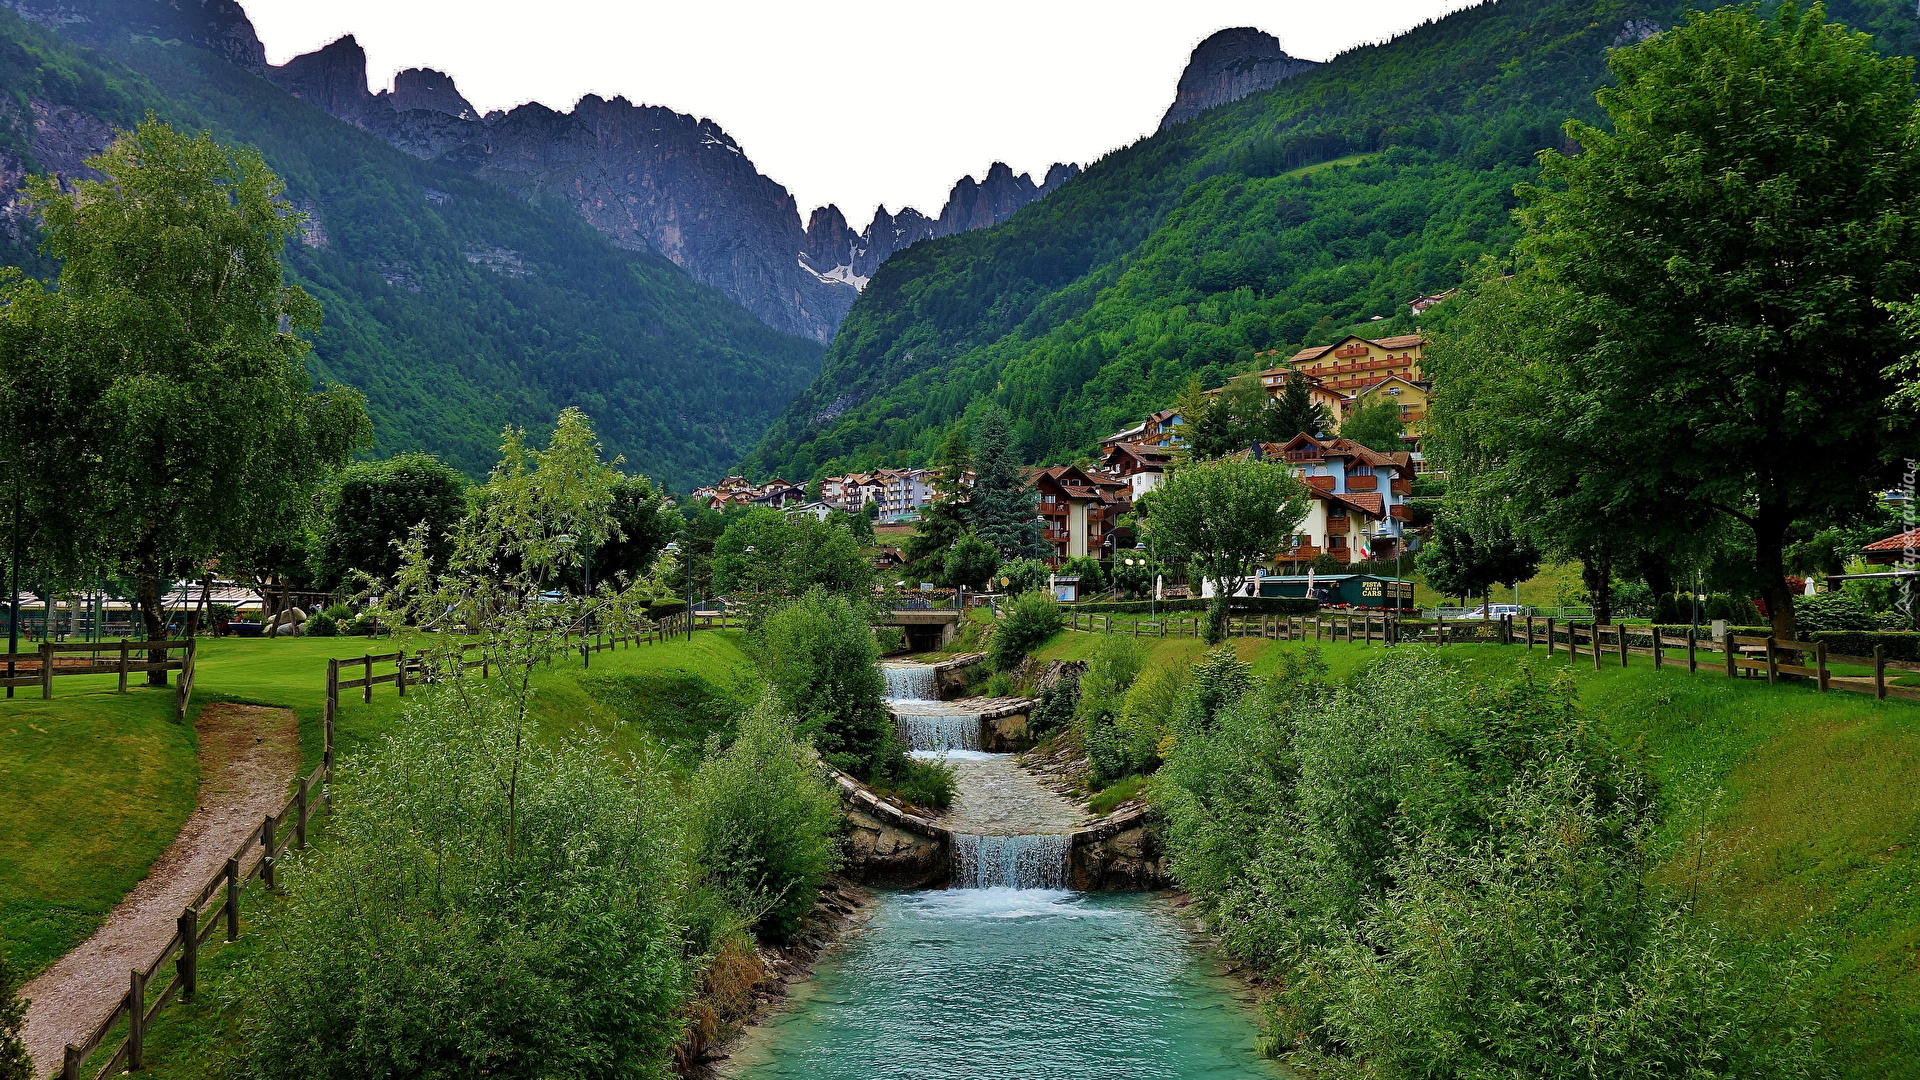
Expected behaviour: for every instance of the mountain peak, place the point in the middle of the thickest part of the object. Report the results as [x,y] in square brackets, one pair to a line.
[425,88]
[333,79]
[1229,65]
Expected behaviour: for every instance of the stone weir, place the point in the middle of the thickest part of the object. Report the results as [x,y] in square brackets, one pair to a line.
[891,846]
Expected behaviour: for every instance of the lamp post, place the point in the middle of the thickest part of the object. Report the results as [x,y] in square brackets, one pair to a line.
[13,604]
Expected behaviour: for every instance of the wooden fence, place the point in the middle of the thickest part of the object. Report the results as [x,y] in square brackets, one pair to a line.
[1362,627]
[154,987]
[45,664]
[1738,655]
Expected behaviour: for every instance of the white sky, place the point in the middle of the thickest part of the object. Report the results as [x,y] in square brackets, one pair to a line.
[858,102]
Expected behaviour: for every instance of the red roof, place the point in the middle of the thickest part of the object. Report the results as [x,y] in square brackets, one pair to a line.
[1910,538]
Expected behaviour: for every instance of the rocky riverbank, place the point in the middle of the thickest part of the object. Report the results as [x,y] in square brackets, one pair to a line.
[743,987]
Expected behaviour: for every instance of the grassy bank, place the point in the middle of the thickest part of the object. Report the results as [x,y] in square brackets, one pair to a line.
[1809,800]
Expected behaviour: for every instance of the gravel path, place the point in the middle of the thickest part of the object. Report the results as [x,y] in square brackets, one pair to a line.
[249,758]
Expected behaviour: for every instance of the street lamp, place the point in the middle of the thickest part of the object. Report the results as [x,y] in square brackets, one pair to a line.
[13,604]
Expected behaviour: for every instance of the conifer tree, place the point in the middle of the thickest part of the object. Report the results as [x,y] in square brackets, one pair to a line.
[1002,505]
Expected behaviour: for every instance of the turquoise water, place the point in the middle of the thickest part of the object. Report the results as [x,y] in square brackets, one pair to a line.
[980,984]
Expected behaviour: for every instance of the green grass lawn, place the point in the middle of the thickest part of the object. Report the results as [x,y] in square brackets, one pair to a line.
[1812,802]
[93,788]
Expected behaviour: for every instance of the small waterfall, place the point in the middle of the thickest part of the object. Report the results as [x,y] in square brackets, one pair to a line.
[954,731]
[1026,861]
[909,682]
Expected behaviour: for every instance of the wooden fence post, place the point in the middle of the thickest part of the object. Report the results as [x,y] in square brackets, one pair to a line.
[136,1020]
[1820,665]
[1529,633]
[300,816]
[1549,637]
[366,679]
[1620,632]
[1773,663]
[1692,665]
[1658,661]
[186,970]
[1594,633]
[1879,673]
[123,665]
[233,899]
[1732,650]
[400,668]
[46,668]
[267,849]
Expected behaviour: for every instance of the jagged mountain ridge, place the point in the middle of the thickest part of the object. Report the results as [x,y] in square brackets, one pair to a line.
[648,176]
[1229,65]
[455,306]
[836,251]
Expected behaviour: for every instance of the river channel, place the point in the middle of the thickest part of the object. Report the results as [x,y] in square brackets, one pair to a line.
[1007,974]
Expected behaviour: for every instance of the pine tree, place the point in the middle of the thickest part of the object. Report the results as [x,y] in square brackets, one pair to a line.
[1294,412]
[1002,506]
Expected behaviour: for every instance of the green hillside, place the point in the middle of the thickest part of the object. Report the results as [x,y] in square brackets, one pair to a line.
[455,307]
[1284,219]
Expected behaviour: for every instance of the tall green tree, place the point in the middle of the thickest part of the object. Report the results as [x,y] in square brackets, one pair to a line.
[1724,252]
[765,556]
[643,511]
[970,563]
[157,407]
[1002,505]
[1460,563]
[1224,517]
[1376,426]
[823,663]
[367,510]
[951,515]
[1294,412]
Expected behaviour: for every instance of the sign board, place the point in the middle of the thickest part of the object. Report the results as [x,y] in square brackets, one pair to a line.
[926,586]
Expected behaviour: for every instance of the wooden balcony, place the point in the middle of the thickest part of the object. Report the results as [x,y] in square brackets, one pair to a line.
[1324,483]
[1398,512]
[1363,483]
[1401,486]
[1298,554]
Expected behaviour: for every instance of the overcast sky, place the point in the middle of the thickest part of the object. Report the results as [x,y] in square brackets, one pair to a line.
[858,102]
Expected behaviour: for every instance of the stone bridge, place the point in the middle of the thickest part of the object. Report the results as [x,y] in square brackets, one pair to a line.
[927,629]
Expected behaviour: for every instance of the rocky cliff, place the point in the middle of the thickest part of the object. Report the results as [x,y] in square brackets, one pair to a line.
[219,26]
[1228,66]
[836,251]
[650,177]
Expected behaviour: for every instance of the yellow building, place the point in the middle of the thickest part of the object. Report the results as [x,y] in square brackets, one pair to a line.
[1409,395]
[1356,363]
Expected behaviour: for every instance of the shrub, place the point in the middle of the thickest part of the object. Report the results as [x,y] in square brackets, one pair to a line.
[1831,611]
[1091,572]
[970,563]
[1894,645]
[999,684]
[823,663]
[533,890]
[921,781]
[14,1062]
[321,625]
[1031,619]
[340,613]
[1111,751]
[1022,576]
[764,821]
[1058,702]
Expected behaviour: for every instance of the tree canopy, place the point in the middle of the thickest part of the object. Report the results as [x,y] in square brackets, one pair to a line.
[157,408]
[1712,273]
[1224,517]
[367,507]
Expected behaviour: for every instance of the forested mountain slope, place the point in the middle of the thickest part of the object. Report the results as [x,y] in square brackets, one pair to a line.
[1275,221]
[456,307]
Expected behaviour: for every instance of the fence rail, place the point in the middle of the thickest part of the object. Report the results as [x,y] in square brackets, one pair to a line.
[1738,655]
[152,988]
[43,665]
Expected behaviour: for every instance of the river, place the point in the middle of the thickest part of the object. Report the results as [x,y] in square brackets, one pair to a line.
[987,980]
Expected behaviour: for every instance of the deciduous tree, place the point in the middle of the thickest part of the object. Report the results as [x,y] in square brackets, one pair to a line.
[1224,517]
[1725,251]
[368,508]
[157,407]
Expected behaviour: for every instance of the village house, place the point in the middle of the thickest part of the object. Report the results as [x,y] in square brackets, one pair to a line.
[1355,363]
[905,491]
[778,494]
[1160,429]
[1080,511]
[1141,465]
[1359,499]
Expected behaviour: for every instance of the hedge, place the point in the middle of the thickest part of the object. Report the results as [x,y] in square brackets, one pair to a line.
[1902,645]
[1238,605]
[660,609]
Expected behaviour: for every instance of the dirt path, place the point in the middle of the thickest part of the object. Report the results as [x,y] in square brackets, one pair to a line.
[249,757]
